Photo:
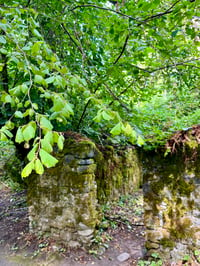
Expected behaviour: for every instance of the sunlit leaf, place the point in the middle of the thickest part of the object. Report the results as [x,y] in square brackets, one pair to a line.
[18,114]
[19,138]
[28,132]
[32,152]
[39,169]
[45,123]
[47,159]
[27,169]
[60,142]
[46,145]
[116,130]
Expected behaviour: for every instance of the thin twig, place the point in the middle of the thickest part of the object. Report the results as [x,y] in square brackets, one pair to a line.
[117,98]
[69,35]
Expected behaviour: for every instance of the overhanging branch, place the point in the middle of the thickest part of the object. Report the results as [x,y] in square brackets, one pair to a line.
[104,8]
[148,70]
[168,11]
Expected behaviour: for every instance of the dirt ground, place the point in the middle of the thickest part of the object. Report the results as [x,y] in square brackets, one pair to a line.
[121,232]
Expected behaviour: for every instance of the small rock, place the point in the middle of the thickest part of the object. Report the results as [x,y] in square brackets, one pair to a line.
[74,244]
[123,257]
[86,232]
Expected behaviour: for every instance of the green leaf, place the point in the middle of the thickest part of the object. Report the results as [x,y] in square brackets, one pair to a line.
[3,137]
[35,48]
[27,103]
[45,123]
[35,106]
[9,125]
[32,153]
[197,252]
[36,33]
[5,130]
[50,80]
[59,82]
[47,159]
[16,91]
[29,112]
[98,117]
[140,141]
[19,138]
[117,129]
[28,132]
[67,110]
[38,79]
[106,116]
[174,33]
[19,114]
[49,137]
[39,169]
[55,136]
[2,40]
[28,169]
[58,104]
[128,130]
[46,146]
[60,142]
[8,99]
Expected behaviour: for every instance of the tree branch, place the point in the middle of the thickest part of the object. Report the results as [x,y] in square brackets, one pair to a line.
[104,8]
[168,11]
[28,3]
[123,49]
[4,73]
[84,110]
[168,66]
[74,42]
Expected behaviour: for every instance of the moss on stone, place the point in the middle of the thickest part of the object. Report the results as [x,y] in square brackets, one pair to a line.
[190,204]
[185,188]
[167,243]
[182,229]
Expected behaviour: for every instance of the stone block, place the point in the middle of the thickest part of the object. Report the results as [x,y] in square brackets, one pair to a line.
[86,232]
[85,162]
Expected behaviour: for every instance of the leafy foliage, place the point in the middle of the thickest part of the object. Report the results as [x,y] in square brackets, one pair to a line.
[127,71]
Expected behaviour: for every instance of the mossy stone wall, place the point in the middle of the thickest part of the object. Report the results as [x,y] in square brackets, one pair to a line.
[172,203]
[64,201]
[118,173]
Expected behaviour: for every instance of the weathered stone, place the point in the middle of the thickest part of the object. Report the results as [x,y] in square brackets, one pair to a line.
[123,257]
[87,232]
[74,244]
[85,162]
[69,158]
[83,226]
